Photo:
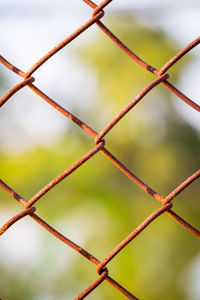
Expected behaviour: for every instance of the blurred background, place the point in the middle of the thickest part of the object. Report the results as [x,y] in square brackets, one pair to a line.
[98,206]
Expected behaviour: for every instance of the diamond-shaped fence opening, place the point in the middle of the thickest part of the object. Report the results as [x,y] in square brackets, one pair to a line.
[161,77]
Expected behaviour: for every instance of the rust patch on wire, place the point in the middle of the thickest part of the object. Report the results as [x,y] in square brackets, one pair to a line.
[99,146]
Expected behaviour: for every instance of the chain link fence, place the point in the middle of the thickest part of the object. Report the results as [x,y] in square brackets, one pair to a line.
[161,77]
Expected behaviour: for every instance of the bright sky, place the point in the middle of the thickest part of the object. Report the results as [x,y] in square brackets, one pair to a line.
[31,28]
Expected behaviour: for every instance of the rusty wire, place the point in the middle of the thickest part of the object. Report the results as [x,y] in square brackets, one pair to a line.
[166,202]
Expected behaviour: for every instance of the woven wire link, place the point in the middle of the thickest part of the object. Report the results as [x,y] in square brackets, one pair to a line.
[99,146]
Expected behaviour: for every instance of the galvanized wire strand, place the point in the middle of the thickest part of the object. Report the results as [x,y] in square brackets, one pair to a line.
[99,146]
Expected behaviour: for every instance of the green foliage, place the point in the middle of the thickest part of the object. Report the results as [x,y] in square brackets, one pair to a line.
[98,205]
[119,77]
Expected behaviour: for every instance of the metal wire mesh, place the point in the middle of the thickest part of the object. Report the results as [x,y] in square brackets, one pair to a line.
[166,202]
